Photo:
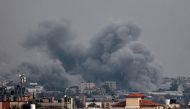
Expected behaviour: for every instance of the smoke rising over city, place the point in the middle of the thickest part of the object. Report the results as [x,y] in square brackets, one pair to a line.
[80,50]
[114,53]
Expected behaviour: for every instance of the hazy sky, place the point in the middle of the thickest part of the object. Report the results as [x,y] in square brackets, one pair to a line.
[165,24]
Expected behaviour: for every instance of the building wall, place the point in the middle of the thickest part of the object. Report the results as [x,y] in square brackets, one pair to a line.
[111,84]
[118,108]
[157,107]
[5,105]
[0,105]
[148,108]
[18,104]
[53,105]
[132,101]
[89,85]
[107,104]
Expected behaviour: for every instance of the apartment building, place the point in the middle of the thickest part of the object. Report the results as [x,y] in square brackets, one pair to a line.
[137,101]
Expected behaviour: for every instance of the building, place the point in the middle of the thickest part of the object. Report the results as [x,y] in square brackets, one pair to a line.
[134,100]
[137,101]
[87,86]
[46,103]
[52,103]
[11,104]
[171,104]
[105,104]
[34,88]
[119,105]
[7,104]
[111,85]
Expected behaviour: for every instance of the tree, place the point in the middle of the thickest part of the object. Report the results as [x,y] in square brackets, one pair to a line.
[14,107]
[92,105]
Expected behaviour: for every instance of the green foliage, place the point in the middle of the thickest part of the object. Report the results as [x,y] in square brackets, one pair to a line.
[92,105]
[14,107]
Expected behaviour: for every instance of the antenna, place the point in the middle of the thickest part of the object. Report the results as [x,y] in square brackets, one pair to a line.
[22,81]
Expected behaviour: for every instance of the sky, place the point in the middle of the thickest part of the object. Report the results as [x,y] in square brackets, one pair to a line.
[165,25]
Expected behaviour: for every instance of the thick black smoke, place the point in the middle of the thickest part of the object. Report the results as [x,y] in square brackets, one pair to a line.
[113,54]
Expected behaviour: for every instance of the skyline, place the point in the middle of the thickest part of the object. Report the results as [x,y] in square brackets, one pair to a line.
[164,25]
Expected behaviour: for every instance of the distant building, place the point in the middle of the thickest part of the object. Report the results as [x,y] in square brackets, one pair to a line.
[72,90]
[87,86]
[111,85]
[164,93]
[34,88]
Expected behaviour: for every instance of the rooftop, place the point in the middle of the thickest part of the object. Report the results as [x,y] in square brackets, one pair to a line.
[136,95]
[145,103]
[120,104]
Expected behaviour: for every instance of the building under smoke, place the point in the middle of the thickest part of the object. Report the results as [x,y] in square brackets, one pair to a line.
[113,54]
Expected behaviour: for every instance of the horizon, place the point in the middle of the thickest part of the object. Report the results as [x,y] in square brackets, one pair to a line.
[160,34]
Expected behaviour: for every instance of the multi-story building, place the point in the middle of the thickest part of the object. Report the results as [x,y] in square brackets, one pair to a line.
[8,103]
[51,103]
[34,88]
[111,84]
[87,86]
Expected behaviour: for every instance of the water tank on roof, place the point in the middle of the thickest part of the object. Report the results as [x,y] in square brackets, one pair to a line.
[32,106]
[167,101]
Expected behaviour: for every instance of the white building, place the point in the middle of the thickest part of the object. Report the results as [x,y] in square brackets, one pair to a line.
[34,88]
[111,84]
[87,86]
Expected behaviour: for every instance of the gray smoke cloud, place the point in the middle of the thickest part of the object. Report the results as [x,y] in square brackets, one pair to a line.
[113,54]
[7,67]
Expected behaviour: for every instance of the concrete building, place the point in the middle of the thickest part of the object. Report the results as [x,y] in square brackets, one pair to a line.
[87,86]
[34,88]
[11,103]
[46,103]
[51,103]
[106,104]
[137,101]
[111,84]
[171,104]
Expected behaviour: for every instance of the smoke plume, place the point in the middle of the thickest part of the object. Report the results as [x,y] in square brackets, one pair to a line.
[113,54]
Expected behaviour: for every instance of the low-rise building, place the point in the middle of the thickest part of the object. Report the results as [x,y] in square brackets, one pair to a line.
[107,104]
[171,104]
[7,104]
[63,103]
[137,101]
